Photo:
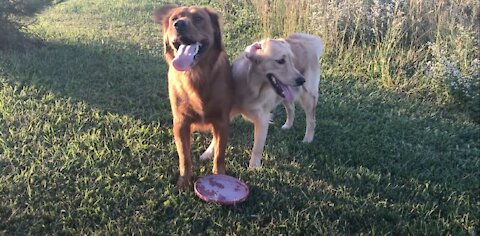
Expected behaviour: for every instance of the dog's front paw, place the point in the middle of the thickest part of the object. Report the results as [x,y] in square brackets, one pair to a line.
[183,182]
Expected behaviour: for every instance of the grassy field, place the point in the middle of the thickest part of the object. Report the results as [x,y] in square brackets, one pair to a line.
[86,144]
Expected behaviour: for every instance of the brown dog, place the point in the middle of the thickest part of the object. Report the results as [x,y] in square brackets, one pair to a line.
[199,81]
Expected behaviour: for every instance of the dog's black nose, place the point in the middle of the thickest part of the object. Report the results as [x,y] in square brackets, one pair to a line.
[180,26]
[300,81]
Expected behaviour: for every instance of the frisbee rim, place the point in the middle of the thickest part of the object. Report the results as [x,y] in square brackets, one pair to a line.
[223,202]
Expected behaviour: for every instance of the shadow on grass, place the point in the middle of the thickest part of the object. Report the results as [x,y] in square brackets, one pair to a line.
[13,16]
[32,7]
[12,39]
[114,78]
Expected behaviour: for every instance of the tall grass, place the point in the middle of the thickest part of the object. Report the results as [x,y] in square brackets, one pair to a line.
[429,49]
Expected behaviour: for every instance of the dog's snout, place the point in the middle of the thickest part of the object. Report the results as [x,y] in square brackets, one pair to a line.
[300,81]
[180,26]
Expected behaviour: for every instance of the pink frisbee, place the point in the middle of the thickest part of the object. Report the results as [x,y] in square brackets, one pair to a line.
[221,189]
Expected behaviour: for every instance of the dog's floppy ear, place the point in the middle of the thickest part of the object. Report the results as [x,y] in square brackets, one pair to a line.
[160,15]
[216,27]
[251,52]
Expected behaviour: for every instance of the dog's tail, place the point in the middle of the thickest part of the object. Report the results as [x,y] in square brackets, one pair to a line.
[315,42]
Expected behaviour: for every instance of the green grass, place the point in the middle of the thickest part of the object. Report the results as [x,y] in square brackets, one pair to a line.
[86,145]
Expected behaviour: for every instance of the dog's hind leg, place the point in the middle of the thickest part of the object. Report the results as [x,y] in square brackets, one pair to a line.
[309,100]
[309,104]
[208,154]
[260,135]
[290,109]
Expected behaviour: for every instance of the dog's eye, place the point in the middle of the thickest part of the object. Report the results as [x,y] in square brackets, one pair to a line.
[281,61]
[173,19]
[197,18]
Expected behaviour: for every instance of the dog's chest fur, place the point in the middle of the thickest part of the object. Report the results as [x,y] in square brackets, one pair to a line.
[191,96]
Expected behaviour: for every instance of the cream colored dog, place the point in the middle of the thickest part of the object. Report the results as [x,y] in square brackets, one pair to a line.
[271,72]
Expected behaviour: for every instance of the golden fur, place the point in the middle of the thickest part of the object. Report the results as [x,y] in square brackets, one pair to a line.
[291,62]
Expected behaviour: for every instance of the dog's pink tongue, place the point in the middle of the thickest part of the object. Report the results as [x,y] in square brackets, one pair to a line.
[184,57]
[287,92]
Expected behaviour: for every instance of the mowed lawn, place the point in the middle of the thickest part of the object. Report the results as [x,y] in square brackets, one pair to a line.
[86,146]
